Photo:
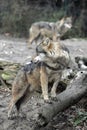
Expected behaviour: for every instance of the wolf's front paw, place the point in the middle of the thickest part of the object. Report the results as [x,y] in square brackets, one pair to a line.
[54,99]
[12,115]
[48,101]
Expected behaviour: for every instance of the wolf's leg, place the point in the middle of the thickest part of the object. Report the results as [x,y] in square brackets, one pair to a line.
[19,87]
[23,100]
[17,100]
[55,85]
[12,103]
[54,88]
[44,83]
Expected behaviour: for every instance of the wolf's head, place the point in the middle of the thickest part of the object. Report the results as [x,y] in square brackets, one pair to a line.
[53,53]
[46,47]
[63,25]
[51,48]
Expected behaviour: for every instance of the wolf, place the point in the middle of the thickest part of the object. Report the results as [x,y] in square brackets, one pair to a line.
[53,30]
[47,67]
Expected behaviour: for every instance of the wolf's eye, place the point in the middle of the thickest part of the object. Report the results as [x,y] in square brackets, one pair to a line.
[46,42]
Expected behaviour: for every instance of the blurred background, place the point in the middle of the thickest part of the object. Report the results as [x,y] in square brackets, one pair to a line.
[16,16]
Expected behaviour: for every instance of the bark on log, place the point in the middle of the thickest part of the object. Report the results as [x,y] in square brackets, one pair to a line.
[70,96]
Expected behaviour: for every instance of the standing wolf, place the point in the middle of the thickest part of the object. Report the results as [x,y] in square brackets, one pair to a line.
[48,66]
[50,29]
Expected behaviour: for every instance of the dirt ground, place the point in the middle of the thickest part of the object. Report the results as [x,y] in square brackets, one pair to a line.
[16,50]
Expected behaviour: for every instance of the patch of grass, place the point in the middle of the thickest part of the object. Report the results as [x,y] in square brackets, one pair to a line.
[81,117]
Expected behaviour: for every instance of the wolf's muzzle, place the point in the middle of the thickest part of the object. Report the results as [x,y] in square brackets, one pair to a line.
[39,50]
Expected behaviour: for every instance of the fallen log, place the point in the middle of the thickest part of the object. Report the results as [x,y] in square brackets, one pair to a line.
[42,115]
[70,96]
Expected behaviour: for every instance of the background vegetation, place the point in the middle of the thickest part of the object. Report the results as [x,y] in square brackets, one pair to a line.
[17,16]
